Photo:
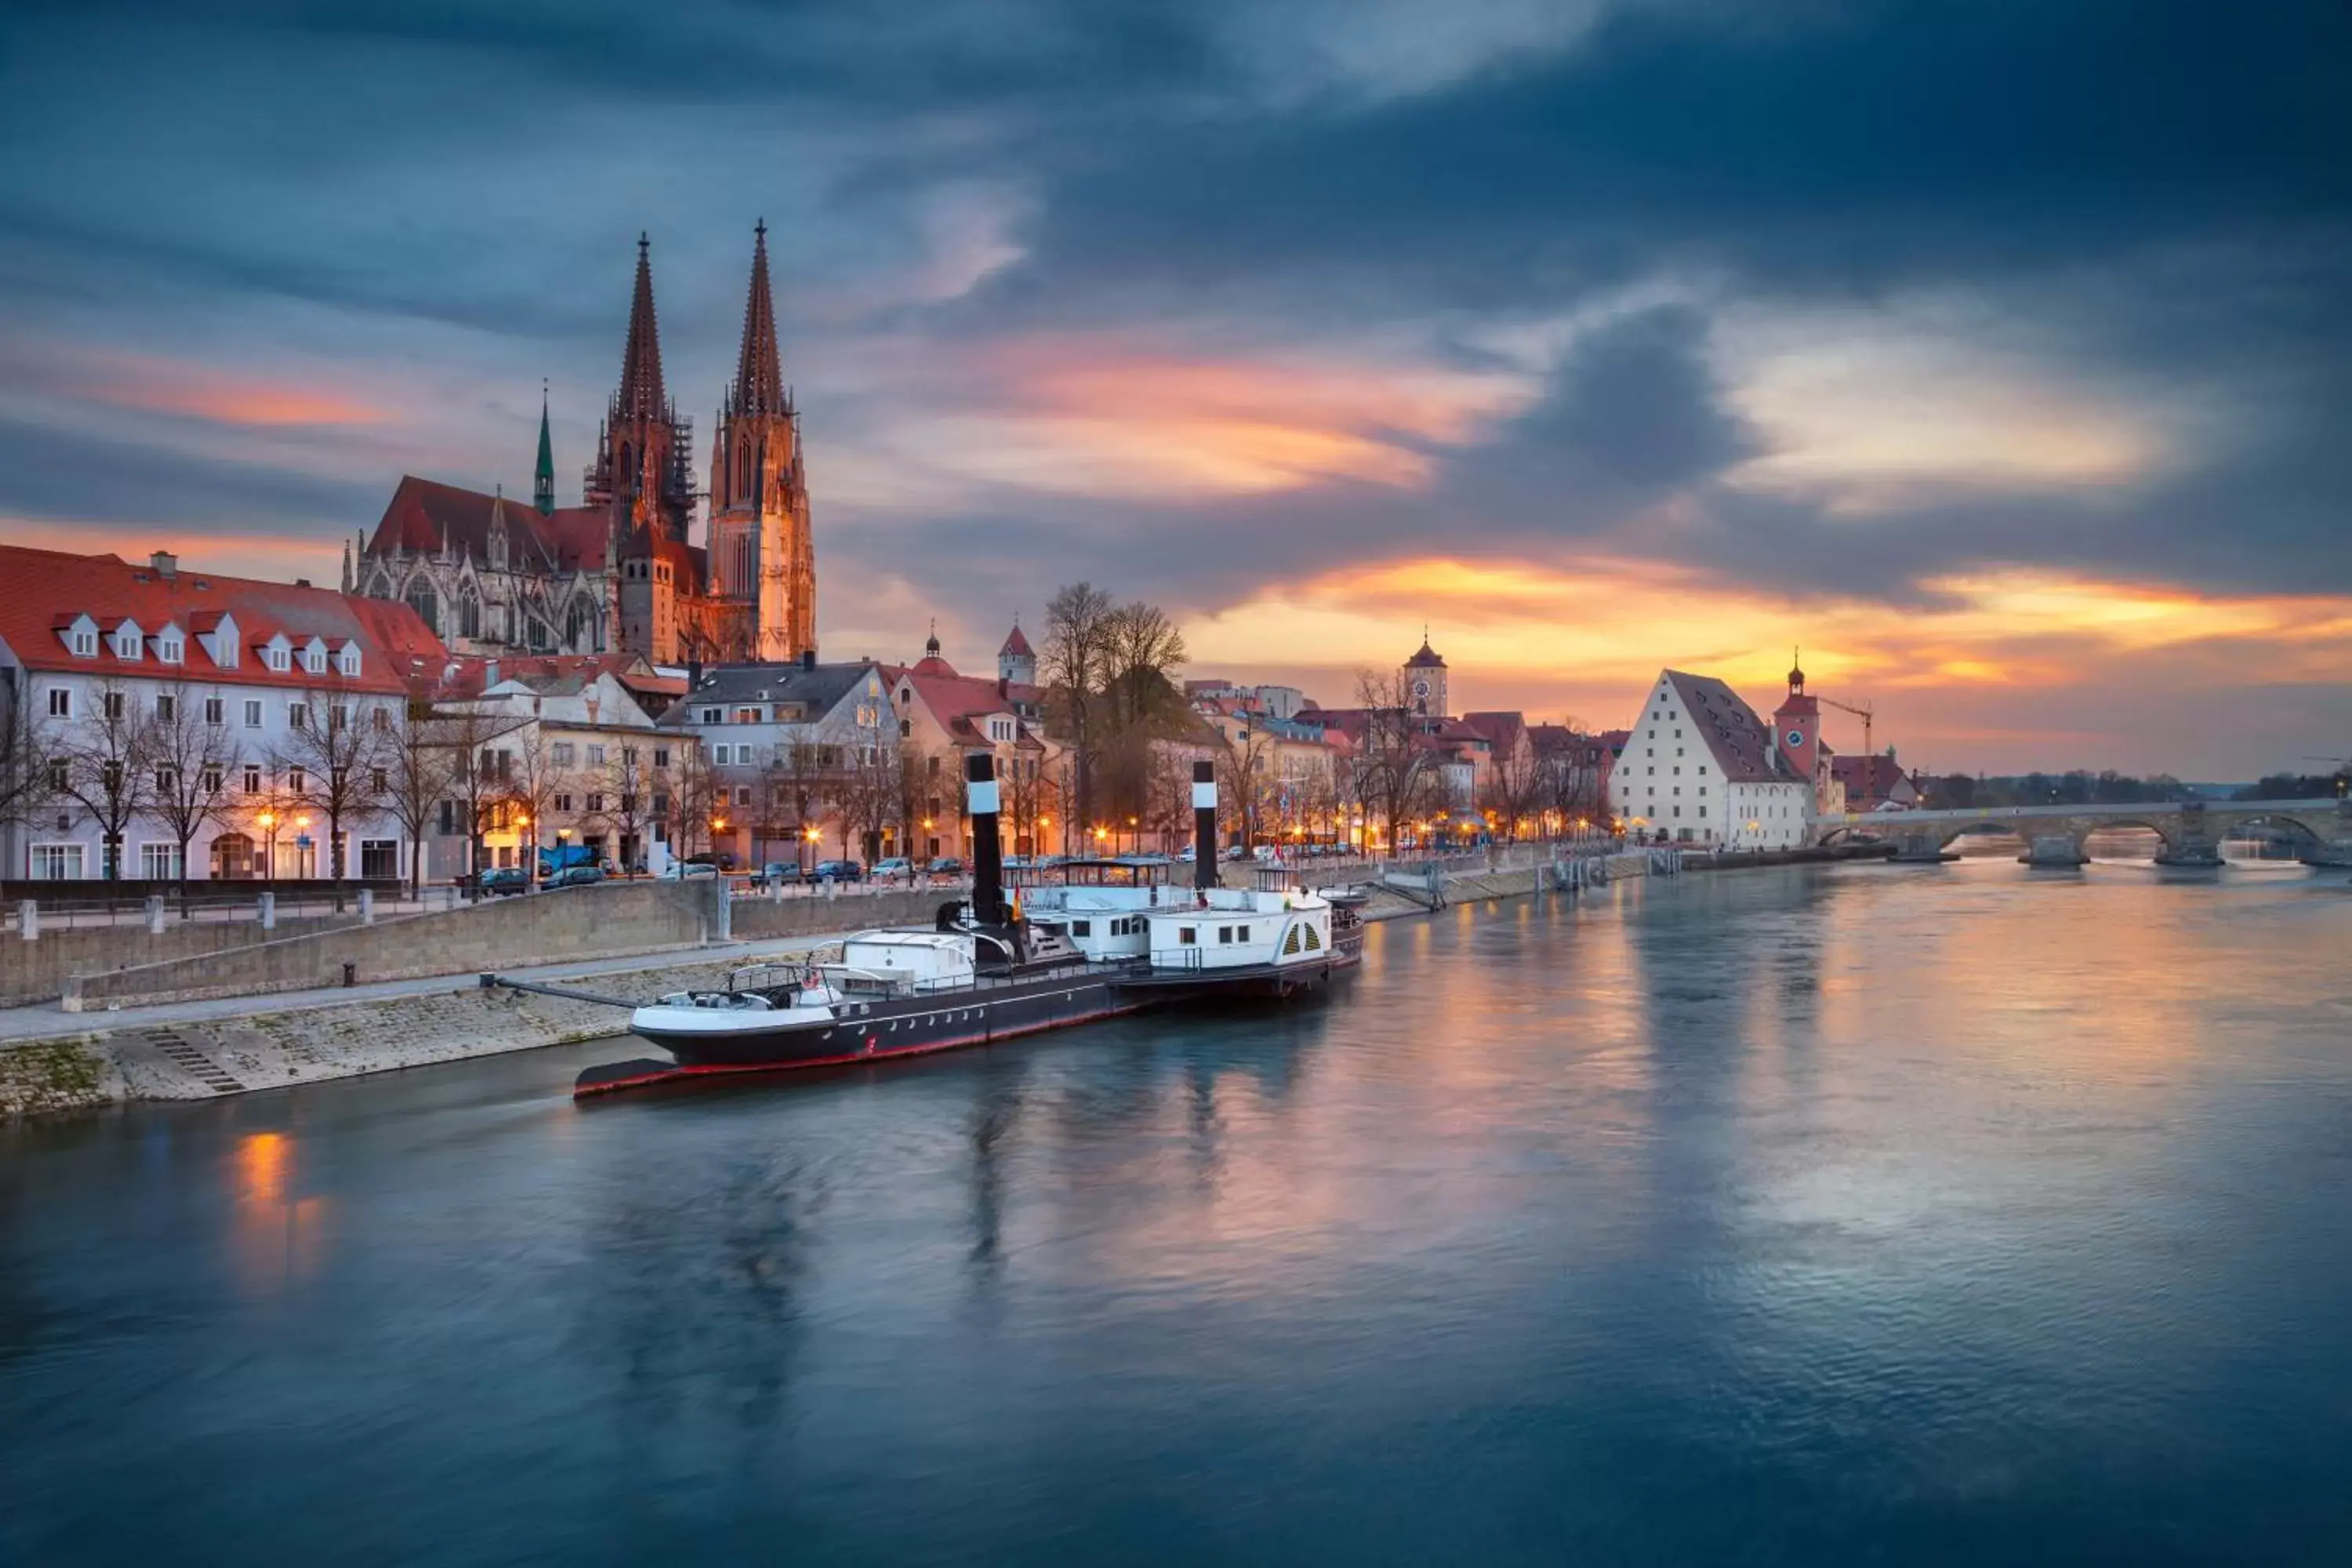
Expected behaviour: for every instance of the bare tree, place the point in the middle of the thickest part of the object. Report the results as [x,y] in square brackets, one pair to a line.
[1395,769]
[192,754]
[30,751]
[467,732]
[1075,666]
[108,755]
[419,773]
[337,752]
[1513,789]
[693,796]
[528,792]
[628,787]
[1245,779]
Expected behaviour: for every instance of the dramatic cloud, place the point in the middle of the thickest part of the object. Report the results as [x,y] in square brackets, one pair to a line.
[1997,353]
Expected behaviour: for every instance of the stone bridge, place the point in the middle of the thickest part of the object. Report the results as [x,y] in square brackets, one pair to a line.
[2192,830]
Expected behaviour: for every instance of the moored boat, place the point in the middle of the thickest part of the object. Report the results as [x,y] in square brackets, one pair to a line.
[1112,937]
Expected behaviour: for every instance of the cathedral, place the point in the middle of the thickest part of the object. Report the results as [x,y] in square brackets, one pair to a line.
[618,574]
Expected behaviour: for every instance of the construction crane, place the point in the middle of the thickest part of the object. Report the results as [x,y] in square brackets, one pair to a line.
[1861,713]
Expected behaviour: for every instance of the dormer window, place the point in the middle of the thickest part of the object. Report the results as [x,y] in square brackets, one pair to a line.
[128,642]
[171,650]
[314,657]
[348,661]
[281,657]
[85,643]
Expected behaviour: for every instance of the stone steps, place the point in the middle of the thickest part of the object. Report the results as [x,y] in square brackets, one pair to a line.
[175,1048]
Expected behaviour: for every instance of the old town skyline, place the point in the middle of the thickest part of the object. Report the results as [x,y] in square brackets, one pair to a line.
[2035,476]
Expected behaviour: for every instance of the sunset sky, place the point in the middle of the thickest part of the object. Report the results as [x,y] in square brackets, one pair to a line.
[2000,354]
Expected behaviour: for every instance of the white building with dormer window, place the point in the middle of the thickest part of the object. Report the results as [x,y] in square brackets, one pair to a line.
[102,662]
[1701,767]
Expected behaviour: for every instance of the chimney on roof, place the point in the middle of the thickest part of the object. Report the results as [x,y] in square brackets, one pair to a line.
[693,672]
[301,582]
[166,564]
[489,674]
[808,658]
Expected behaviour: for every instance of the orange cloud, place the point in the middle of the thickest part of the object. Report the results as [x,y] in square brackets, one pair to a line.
[156,384]
[171,386]
[1591,630]
[1107,417]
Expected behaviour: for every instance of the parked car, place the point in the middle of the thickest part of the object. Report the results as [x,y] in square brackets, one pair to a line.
[837,871]
[504,879]
[894,868]
[1236,852]
[1188,855]
[778,873]
[577,877]
[1267,854]
[680,871]
[946,866]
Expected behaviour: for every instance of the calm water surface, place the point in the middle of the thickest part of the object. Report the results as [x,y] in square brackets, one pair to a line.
[1904,1216]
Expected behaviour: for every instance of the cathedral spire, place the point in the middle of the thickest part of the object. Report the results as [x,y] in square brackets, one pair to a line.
[542,484]
[758,370]
[641,396]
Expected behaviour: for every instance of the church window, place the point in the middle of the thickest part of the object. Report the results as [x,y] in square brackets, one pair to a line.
[427,605]
[743,470]
[469,616]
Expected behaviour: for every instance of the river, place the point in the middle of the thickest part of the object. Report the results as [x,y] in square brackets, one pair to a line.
[1945,1215]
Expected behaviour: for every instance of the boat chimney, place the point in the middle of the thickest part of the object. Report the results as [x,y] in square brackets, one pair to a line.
[987,854]
[1204,825]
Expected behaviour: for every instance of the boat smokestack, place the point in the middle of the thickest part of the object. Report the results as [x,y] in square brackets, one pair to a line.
[1205,824]
[987,853]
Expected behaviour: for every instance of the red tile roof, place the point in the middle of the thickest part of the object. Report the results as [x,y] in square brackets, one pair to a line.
[1740,741]
[423,513]
[49,589]
[1017,645]
[1871,780]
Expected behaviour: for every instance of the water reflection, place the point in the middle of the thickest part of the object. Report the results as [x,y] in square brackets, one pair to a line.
[1779,1216]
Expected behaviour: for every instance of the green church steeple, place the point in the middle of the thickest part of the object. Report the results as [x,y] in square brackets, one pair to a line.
[542,484]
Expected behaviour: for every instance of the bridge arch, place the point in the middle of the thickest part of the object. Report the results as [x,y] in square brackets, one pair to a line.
[2307,834]
[2171,832]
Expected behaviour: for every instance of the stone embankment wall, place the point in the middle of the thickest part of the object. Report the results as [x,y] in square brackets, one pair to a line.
[757,920]
[204,1059]
[38,970]
[540,928]
[126,1059]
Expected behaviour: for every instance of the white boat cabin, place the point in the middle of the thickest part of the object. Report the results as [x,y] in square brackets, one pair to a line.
[1101,906]
[1236,927]
[900,963]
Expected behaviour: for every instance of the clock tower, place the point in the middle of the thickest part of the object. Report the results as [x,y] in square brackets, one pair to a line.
[1424,681]
[1797,732]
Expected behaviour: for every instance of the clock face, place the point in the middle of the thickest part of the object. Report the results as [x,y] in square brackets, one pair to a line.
[1796,737]
[1421,689]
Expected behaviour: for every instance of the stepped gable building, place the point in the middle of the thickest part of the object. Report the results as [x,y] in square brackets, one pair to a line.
[619,573]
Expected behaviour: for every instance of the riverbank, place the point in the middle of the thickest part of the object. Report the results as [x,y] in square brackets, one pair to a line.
[56,1062]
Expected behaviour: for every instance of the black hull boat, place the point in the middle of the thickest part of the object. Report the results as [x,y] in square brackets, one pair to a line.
[741,1031]
[1112,939]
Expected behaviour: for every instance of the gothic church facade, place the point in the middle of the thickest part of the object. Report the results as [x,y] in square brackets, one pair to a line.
[618,572]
